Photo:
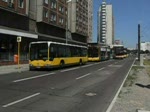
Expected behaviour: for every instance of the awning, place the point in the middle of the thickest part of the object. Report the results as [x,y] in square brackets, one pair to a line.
[17,33]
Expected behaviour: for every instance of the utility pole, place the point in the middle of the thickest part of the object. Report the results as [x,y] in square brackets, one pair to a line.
[139,42]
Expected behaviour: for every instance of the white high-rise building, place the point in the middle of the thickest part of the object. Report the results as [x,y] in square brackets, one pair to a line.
[105,24]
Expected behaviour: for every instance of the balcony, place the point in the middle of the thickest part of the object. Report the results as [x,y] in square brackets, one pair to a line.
[103,29]
[103,14]
[103,41]
[103,8]
[11,5]
[104,23]
[103,3]
[103,11]
[103,17]
[103,35]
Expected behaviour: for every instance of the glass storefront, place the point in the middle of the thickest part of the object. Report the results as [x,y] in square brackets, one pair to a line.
[9,47]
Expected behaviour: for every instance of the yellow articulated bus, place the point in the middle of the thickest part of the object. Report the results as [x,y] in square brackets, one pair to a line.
[93,52]
[47,54]
[98,52]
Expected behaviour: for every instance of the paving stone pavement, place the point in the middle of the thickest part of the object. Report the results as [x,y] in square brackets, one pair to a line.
[135,98]
[13,68]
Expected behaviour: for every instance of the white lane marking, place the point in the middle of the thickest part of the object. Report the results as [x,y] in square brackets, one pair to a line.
[87,65]
[101,68]
[29,78]
[96,63]
[70,69]
[110,65]
[12,103]
[115,98]
[83,76]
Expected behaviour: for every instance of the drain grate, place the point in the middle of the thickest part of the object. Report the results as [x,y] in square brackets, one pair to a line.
[90,94]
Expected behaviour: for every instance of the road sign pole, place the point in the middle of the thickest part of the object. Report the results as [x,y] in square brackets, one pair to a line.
[139,42]
[18,55]
[19,40]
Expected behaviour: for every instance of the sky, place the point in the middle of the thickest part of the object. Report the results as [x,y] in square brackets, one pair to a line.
[127,15]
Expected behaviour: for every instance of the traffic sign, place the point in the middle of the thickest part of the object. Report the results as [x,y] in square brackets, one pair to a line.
[18,39]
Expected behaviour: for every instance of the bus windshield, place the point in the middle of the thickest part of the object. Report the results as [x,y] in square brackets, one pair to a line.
[39,51]
[118,50]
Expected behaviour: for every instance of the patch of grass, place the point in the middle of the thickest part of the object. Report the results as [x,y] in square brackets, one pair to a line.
[147,62]
[137,68]
[148,71]
[120,94]
[132,76]
[130,80]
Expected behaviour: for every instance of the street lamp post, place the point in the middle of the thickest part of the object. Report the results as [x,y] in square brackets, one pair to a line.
[67,19]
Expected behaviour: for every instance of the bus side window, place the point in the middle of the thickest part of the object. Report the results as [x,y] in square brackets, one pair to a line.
[73,52]
[61,51]
[53,52]
[68,52]
[83,52]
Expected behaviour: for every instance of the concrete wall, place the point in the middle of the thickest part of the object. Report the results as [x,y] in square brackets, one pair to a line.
[90,20]
[73,18]
[36,10]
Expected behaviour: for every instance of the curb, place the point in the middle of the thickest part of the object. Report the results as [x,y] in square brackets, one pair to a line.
[115,97]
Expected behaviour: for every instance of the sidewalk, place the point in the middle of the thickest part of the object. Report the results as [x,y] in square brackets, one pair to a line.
[135,94]
[13,68]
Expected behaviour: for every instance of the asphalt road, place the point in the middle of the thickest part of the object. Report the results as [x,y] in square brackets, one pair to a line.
[87,88]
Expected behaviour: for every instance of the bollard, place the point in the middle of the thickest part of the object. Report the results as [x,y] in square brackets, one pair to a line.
[141,60]
[16,58]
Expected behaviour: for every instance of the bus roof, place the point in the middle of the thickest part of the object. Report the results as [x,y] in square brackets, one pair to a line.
[97,44]
[50,42]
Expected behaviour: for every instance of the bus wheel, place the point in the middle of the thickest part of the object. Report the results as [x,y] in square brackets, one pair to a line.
[31,69]
[80,63]
[62,64]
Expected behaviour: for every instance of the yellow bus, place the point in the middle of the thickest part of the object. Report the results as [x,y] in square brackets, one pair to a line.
[118,52]
[98,52]
[47,54]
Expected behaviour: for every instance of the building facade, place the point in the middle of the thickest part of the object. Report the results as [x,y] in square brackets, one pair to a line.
[60,20]
[14,22]
[145,46]
[36,20]
[105,24]
[48,19]
[78,20]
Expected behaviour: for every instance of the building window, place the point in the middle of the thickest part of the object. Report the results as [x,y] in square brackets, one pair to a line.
[46,1]
[21,3]
[5,0]
[53,17]
[11,3]
[61,9]
[53,5]
[45,14]
[61,21]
